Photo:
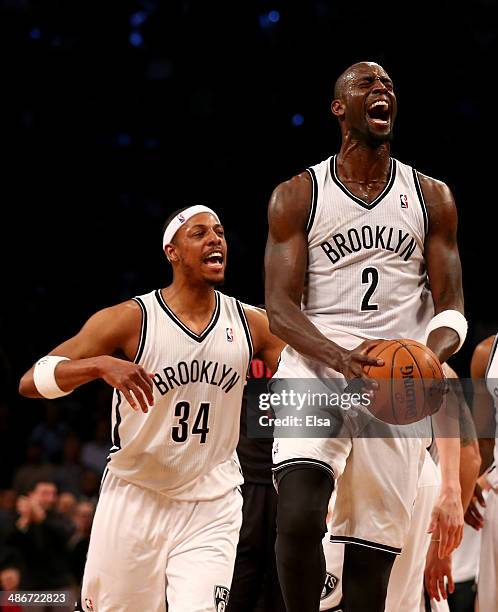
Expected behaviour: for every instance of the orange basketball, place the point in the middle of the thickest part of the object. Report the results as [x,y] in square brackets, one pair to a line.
[410,382]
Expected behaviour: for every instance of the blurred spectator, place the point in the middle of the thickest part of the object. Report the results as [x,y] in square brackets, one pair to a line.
[41,536]
[33,470]
[51,433]
[9,446]
[66,504]
[90,485]
[68,474]
[94,454]
[78,544]
[8,498]
[10,580]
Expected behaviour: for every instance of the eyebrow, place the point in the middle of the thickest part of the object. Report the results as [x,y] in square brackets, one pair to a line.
[384,77]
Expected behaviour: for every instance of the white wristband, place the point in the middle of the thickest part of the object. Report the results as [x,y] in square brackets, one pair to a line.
[44,377]
[449,318]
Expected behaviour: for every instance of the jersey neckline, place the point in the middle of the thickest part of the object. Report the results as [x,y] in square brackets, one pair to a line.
[197,337]
[362,203]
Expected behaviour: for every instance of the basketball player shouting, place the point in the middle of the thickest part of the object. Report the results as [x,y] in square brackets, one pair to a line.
[351,245]
[169,511]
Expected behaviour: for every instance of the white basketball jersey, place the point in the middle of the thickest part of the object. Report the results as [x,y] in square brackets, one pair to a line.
[492,385]
[184,447]
[366,271]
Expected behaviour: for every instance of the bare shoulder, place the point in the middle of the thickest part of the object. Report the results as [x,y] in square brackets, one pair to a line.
[436,192]
[292,196]
[119,319]
[480,357]
[257,318]
[266,345]
[260,327]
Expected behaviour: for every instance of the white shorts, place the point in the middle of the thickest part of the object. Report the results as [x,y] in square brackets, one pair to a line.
[487,585]
[376,478]
[405,590]
[145,548]
[406,583]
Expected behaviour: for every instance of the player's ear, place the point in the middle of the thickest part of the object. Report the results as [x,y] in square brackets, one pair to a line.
[338,109]
[170,252]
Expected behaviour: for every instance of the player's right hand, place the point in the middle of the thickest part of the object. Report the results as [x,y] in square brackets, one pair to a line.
[352,363]
[128,378]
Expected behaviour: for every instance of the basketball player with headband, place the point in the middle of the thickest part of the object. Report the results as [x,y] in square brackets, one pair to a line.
[169,510]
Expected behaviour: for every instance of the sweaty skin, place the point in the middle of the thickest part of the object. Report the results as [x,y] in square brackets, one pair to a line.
[363,166]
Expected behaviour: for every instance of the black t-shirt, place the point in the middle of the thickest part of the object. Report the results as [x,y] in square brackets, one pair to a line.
[254,454]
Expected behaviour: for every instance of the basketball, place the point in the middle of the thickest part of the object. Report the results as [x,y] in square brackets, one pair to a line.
[410,382]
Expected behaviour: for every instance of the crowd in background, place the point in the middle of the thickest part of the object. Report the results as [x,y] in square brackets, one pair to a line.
[49,490]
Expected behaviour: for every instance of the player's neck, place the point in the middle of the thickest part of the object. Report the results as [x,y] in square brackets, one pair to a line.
[184,297]
[360,162]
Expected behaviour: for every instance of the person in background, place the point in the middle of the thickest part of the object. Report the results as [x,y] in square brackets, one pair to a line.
[255,585]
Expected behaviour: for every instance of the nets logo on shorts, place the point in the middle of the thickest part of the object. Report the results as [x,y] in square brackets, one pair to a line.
[330,585]
[221,595]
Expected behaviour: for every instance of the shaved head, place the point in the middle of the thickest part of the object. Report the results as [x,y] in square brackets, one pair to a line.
[348,74]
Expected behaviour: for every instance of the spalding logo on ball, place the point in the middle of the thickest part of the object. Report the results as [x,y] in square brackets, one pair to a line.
[411,382]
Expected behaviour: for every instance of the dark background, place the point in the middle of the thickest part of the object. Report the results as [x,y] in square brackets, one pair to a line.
[116,113]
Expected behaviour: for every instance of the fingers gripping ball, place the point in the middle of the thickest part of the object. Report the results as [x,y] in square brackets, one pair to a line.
[411,382]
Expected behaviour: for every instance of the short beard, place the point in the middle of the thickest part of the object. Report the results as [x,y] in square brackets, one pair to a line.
[375,141]
[214,284]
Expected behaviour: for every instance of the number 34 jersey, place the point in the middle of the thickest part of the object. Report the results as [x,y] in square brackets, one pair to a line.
[184,447]
[366,271]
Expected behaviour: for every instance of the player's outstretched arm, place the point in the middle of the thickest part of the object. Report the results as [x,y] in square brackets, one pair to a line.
[89,354]
[445,277]
[443,262]
[285,266]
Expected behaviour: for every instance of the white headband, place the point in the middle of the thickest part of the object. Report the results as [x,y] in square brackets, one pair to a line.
[175,224]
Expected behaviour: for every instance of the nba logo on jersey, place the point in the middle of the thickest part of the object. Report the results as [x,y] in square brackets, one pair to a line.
[181,218]
[229,334]
[404,200]
[221,598]
[89,604]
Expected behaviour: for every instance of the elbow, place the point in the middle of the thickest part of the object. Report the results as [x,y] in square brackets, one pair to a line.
[274,319]
[26,386]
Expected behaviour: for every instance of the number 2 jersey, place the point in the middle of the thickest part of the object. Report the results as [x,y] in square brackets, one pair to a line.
[184,447]
[366,270]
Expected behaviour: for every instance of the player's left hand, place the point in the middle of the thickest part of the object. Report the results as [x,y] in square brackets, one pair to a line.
[446,524]
[437,572]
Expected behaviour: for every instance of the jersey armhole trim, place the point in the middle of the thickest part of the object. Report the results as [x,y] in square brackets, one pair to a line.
[247,331]
[314,200]
[421,200]
[143,330]
[116,438]
[491,355]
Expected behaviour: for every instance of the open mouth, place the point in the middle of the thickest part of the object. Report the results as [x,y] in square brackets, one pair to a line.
[214,260]
[379,114]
